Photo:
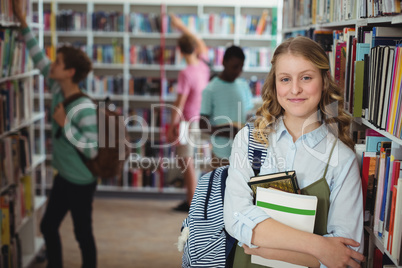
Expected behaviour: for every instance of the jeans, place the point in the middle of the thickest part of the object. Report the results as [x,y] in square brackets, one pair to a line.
[66,196]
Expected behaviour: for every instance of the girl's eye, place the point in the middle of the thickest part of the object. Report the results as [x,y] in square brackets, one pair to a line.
[285,79]
[306,78]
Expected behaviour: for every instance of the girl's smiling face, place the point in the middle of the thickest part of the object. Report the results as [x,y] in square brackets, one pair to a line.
[299,86]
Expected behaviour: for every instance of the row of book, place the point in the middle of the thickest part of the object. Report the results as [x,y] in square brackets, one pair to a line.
[50,50]
[255,85]
[105,53]
[139,86]
[71,20]
[14,58]
[257,56]
[148,178]
[212,23]
[144,86]
[66,20]
[112,21]
[15,156]
[12,207]
[307,12]
[264,24]
[14,104]
[106,85]
[298,13]
[144,23]
[148,86]
[382,190]
[366,63]
[376,8]
[148,54]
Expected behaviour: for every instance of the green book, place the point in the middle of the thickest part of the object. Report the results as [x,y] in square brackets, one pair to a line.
[358,92]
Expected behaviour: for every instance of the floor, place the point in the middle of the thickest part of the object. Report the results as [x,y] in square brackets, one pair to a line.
[137,233]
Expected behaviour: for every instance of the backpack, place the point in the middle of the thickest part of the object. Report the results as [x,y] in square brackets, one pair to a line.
[204,240]
[113,150]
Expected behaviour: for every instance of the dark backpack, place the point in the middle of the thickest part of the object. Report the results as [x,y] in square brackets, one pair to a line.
[113,150]
[204,239]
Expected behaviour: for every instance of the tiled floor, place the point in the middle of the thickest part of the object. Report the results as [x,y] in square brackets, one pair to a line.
[129,233]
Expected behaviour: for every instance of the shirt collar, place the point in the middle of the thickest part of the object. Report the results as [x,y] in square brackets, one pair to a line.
[311,139]
[280,129]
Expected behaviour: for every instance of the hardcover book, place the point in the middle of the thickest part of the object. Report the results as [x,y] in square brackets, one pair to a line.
[285,181]
[295,210]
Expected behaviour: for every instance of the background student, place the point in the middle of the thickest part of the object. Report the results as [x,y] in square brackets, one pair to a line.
[191,81]
[74,185]
[301,118]
[225,103]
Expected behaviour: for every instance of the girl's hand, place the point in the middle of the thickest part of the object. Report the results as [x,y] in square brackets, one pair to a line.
[172,134]
[176,21]
[19,13]
[333,252]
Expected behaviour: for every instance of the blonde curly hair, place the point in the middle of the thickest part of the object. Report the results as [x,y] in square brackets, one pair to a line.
[331,104]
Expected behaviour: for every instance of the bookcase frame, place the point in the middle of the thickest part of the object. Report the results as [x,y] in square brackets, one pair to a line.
[31,240]
[374,239]
[235,7]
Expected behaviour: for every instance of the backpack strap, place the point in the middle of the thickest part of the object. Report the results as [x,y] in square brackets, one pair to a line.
[257,152]
[66,102]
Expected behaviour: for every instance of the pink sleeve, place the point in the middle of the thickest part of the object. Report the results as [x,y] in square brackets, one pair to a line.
[183,86]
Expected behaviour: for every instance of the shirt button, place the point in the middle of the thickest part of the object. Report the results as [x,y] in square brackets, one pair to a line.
[292,146]
[236,214]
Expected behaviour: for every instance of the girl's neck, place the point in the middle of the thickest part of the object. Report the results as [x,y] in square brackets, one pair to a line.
[191,59]
[69,88]
[299,126]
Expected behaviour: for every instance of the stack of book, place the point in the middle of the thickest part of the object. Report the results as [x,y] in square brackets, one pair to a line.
[278,195]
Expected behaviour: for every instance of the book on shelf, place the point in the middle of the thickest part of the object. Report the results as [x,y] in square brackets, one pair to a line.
[70,20]
[380,81]
[295,210]
[358,89]
[144,22]
[109,21]
[285,181]
[349,35]
[374,140]
[367,176]
[395,98]
[379,193]
[394,240]
[394,174]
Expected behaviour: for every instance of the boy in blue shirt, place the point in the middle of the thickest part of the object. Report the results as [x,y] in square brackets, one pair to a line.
[225,104]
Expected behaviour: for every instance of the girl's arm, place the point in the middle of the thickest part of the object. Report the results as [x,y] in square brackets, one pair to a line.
[331,251]
[202,48]
[39,58]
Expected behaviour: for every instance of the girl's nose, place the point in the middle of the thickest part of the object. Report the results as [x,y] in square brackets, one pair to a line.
[296,89]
